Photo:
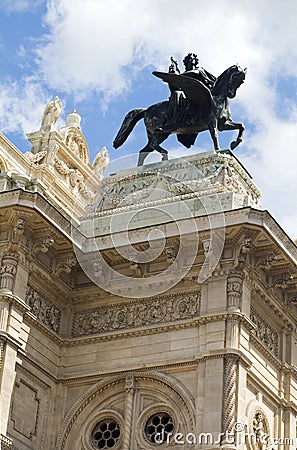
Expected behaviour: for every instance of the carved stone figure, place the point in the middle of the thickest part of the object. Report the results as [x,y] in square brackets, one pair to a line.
[101,161]
[43,245]
[52,112]
[18,231]
[261,436]
[198,102]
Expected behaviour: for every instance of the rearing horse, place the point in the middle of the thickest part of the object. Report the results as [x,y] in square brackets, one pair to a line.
[197,110]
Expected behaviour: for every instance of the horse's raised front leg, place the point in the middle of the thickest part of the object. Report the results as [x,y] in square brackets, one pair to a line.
[229,125]
[213,128]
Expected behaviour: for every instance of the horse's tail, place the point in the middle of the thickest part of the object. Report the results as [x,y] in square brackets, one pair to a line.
[128,124]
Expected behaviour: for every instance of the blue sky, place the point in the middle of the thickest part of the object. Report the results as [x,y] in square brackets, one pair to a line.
[98,55]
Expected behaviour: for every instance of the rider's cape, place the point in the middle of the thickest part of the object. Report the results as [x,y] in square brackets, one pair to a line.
[193,88]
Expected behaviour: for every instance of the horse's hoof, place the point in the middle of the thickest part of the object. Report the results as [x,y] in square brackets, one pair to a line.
[234,144]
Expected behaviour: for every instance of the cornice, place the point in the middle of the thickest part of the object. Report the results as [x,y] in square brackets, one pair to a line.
[243,216]
[136,332]
[17,302]
[6,338]
[182,363]
[37,202]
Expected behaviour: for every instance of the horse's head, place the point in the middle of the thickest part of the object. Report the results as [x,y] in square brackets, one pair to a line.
[229,81]
[237,77]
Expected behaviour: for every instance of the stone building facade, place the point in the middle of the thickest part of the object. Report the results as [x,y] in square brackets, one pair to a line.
[152,308]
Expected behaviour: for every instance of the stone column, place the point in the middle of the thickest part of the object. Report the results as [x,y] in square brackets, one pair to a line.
[10,307]
[4,312]
[8,271]
[229,400]
[234,292]
[130,393]
[234,296]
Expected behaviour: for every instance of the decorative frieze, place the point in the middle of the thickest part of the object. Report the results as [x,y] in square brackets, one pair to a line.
[180,180]
[44,310]
[153,311]
[265,333]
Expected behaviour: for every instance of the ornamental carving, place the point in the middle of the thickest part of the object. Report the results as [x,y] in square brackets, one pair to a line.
[259,431]
[43,245]
[8,270]
[76,142]
[101,162]
[66,266]
[234,291]
[6,443]
[37,157]
[153,311]
[176,180]
[44,310]
[265,333]
[74,177]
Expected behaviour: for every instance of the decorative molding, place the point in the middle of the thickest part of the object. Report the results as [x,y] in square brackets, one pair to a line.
[45,394]
[265,333]
[152,311]
[25,409]
[44,310]
[129,401]
[6,443]
[1,355]
[80,405]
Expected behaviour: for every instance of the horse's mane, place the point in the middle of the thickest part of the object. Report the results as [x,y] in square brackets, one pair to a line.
[221,83]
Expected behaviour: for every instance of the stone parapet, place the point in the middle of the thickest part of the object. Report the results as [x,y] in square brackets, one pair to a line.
[217,177]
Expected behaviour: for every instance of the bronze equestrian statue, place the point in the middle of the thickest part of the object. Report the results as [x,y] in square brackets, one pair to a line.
[198,102]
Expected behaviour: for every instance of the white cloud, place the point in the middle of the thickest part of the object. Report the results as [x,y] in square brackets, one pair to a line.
[93,43]
[21,105]
[17,6]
